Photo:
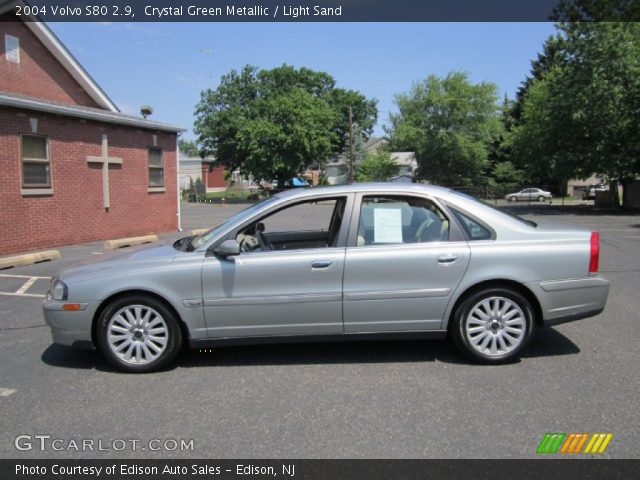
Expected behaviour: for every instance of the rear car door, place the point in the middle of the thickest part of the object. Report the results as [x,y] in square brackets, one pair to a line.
[404,260]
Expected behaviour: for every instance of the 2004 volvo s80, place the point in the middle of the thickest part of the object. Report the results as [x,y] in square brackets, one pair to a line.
[360,261]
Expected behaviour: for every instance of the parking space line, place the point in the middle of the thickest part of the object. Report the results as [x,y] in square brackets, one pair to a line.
[5,392]
[34,295]
[27,285]
[5,275]
[22,291]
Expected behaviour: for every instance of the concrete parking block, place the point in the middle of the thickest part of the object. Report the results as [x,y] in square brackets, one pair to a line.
[29,258]
[199,231]
[129,242]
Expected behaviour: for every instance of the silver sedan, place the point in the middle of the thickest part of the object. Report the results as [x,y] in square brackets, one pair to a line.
[364,261]
[529,194]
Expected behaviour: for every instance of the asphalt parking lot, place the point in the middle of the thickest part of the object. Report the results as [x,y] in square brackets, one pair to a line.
[410,399]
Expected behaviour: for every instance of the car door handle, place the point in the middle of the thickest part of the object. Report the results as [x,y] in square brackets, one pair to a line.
[320,264]
[447,258]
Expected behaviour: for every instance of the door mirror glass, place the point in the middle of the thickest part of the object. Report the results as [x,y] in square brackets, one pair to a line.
[228,248]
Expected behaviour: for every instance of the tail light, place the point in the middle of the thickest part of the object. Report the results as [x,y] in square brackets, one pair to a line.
[595,252]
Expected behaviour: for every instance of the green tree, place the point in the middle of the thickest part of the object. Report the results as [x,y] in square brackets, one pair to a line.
[189,148]
[551,56]
[376,167]
[596,10]
[274,123]
[506,174]
[450,124]
[581,116]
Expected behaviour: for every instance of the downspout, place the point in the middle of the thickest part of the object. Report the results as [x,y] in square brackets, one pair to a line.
[179,214]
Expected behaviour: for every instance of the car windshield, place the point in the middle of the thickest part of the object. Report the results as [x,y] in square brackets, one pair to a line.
[205,237]
[504,212]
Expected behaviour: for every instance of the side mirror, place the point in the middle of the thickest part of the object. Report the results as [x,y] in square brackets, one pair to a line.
[228,248]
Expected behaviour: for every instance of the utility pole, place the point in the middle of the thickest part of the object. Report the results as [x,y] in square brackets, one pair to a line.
[351,162]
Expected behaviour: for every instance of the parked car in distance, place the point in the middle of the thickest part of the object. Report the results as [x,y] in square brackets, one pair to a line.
[590,193]
[293,182]
[529,194]
[349,262]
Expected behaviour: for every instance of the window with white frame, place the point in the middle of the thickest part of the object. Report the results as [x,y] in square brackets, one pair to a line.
[11,48]
[156,168]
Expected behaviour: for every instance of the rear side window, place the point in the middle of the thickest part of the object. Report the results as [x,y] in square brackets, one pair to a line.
[388,220]
[474,229]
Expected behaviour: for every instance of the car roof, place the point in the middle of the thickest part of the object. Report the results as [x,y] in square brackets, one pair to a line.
[369,187]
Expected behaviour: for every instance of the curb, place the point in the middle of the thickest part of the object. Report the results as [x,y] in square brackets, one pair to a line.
[129,242]
[29,258]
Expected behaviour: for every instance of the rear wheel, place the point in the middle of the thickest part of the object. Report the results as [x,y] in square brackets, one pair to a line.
[137,333]
[493,325]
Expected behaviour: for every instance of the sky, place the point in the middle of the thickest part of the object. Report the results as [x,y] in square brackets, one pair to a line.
[167,65]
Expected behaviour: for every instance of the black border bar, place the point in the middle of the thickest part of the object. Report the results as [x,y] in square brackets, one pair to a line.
[209,469]
[294,10]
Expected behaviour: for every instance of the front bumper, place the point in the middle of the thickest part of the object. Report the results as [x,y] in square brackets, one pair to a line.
[570,299]
[72,328]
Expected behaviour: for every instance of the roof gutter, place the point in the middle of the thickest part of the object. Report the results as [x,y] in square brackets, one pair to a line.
[106,116]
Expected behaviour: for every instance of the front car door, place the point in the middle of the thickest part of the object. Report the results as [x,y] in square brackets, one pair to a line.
[404,260]
[288,278]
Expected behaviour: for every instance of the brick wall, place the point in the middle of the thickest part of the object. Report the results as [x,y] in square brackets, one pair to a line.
[213,178]
[74,213]
[38,74]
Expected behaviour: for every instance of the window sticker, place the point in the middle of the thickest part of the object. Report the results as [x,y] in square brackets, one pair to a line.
[387,225]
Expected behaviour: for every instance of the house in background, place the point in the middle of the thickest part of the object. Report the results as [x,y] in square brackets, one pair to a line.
[213,176]
[337,169]
[192,169]
[72,167]
[189,171]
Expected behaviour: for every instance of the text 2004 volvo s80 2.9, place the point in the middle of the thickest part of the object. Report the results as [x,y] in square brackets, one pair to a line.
[359,261]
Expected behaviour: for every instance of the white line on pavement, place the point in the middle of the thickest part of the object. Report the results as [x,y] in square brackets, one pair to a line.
[34,295]
[27,285]
[5,392]
[5,275]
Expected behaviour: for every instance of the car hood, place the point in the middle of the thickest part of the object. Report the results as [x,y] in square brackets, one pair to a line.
[116,262]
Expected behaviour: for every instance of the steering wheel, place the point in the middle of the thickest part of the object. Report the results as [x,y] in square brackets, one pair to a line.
[265,244]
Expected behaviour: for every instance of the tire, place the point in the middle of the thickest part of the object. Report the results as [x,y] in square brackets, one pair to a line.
[512,199]
[541,198]
[138,333]
[493,343]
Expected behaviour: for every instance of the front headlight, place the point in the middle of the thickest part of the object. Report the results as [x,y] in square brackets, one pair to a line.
[59,290]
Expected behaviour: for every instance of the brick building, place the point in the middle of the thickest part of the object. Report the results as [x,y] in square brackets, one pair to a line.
[72,167]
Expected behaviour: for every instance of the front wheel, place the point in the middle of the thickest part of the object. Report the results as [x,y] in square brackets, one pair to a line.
[541,198]
[512,199]
[493,325]
[138,334]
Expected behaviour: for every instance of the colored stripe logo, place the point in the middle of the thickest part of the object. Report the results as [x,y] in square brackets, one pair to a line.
[574,443]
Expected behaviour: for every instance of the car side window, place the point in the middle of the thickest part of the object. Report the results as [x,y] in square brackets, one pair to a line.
[310,224]
[388,220]
[473,229]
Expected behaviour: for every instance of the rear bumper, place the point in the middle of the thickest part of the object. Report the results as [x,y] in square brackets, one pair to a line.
[571,299]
